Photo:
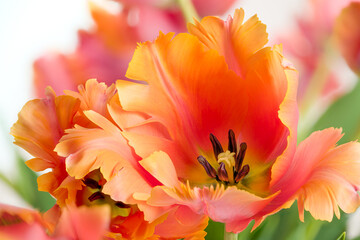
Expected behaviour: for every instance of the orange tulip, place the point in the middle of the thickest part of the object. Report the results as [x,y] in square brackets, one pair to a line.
[347,33]
[105,51]
[70,223]
[40,126]
[158,143]
[214,86]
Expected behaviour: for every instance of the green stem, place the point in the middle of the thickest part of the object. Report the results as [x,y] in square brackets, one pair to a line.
[230,236]
[188,10]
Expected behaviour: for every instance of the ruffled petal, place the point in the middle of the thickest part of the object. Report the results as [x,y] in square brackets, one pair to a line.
[84,222]
[41,124]
[83,148]
[233,39]
[125,183]
[221,204]
[323,176]
[93,96]
[122,118]
[104,148]
[160,166]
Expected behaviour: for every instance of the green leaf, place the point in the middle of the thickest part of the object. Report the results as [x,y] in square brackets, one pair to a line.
[344,113]
[25,184]
[246,233]
[342,236]
[215,230]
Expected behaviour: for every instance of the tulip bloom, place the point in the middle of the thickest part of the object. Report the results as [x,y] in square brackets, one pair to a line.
[39,128]
[105,51]
[69,223]
[310,46]
[214,87]
[347,32]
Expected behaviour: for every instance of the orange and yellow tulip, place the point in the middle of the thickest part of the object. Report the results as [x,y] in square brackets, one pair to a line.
[158,143]
[195,93]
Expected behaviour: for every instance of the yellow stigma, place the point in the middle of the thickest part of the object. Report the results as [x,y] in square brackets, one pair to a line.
[228,158]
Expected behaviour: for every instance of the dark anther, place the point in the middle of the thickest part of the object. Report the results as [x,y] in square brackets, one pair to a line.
[240,157]
[232,142]
[91,183]
[216,145]
[232,159]
[222,173]
[240,175]
[122,205]
[208,168]
[96,196]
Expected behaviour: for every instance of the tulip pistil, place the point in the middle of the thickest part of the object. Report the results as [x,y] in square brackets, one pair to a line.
[231,169]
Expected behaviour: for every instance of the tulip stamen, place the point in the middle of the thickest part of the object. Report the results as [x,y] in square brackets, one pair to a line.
[231,169]
[216,145]
[222,173]
[122,205]
[240,156]
[91,183]
[208,168]
[96,196]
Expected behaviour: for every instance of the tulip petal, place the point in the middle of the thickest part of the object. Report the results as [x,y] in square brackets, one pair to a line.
[88,149]
[93,96]
[323,175]
[267,85]
[222,202]
[233,39]
[122,118]
[84,222]
[41,124]
[180,227]
[160,166]
[124,184]
[19,223]
[288,114]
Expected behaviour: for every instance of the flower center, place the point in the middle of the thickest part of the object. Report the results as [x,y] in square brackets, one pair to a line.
[230,169]
[228,158]
[95,182]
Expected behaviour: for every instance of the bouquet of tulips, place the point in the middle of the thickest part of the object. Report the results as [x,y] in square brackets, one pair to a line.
[168,123]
